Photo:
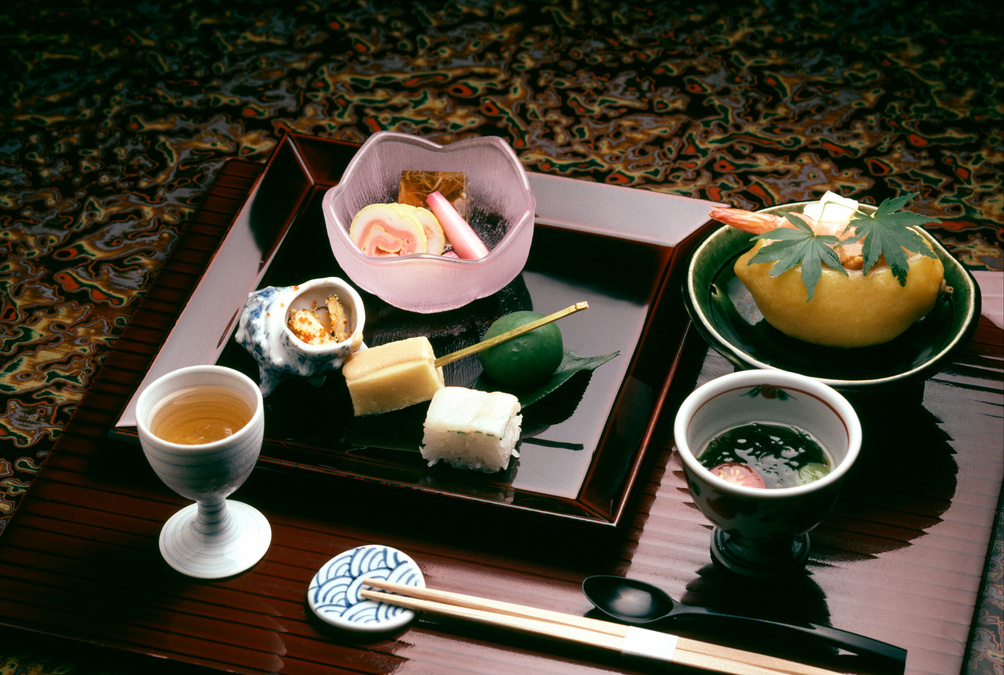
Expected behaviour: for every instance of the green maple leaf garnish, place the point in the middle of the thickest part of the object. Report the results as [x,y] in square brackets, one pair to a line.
[886,233]
[790,248]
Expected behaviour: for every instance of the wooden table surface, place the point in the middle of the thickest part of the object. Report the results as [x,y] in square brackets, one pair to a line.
[901,559]
[119,118]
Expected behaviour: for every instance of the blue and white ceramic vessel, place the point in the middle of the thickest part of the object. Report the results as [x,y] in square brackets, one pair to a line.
[263,331]
[333,594]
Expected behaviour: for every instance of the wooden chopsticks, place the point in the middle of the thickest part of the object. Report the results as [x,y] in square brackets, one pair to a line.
[629,640]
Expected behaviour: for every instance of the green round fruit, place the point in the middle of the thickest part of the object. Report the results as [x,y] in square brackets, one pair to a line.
[524,360]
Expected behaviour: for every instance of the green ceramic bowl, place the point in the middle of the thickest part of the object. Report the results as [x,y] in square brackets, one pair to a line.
[726,316]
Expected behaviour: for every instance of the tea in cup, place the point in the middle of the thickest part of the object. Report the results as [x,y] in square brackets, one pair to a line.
[201,429]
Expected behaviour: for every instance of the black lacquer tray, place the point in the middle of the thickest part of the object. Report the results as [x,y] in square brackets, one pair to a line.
[581,446]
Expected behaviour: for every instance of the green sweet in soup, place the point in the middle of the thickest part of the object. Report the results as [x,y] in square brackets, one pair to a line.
[766,455]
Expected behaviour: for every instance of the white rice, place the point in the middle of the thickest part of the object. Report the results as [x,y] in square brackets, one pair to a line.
[471,429]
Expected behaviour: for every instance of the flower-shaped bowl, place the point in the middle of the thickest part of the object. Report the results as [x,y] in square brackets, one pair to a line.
[500,212]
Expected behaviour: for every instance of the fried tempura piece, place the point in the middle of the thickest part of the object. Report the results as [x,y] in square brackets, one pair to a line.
[338,318]
[312,327]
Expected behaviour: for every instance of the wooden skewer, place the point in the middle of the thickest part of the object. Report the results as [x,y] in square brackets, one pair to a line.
[583,630]
[508,335]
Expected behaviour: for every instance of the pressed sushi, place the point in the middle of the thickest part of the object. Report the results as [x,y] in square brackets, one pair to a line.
[471,429]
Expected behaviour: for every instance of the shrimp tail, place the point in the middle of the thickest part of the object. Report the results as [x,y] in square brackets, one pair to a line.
[760,223]
[752,222]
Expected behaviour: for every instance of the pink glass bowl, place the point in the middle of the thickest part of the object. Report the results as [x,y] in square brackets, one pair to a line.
[501,212]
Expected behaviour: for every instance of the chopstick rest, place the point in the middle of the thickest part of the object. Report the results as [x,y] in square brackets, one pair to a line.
[333,593]
[629,640]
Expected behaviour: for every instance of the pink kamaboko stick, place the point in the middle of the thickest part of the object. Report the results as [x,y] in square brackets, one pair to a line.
[465,242]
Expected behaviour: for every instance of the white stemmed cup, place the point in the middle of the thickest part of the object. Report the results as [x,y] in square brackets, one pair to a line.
[215,537]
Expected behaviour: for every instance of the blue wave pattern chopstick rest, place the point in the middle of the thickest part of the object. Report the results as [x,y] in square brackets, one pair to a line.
[333,593]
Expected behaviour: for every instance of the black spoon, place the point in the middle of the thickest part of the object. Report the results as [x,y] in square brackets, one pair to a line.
[638,602]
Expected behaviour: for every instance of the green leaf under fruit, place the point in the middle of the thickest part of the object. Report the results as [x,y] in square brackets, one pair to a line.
[571,364]
[789,248]
[887,234]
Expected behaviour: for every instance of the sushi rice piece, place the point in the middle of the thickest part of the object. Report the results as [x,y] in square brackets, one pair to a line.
[471,429]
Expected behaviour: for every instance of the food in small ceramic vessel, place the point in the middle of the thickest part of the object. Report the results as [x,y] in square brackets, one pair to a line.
[764,531]
[265,330]
[320,327]
[852,311]
[766,456]
[838,274]
[500,210]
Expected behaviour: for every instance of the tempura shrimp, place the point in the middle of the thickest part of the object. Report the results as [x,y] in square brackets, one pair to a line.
[850,254]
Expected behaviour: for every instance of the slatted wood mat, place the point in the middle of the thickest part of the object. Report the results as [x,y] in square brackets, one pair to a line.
[901,559]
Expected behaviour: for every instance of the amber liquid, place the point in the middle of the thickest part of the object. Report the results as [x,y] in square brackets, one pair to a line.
[196,415]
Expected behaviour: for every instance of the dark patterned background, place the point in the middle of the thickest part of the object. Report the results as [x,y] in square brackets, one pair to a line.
[115,117]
